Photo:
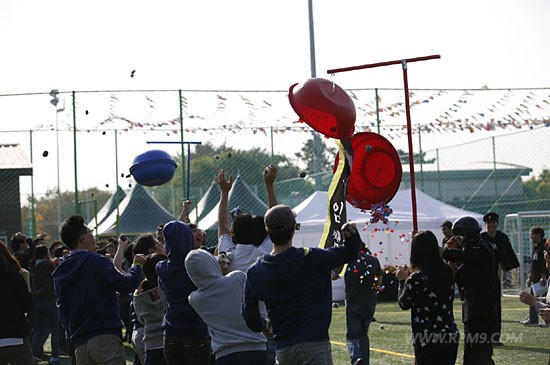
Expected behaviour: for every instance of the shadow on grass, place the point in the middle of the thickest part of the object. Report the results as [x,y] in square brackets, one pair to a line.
[525,349]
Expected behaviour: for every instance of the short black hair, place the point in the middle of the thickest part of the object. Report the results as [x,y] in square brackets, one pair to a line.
[249,229]
[537,230]
[447,224]
[281,238]
[143,243]
[15,242]
[71,229]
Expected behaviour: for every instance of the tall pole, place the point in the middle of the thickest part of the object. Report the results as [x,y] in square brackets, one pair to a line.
[76,205]
[116,185]
[403,64]
[377,111]
[317,146]
[58,191]
[182,154]
[33,218]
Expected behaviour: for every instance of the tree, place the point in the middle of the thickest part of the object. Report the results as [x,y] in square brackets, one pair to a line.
[208,159]
[417,157]
[537,190]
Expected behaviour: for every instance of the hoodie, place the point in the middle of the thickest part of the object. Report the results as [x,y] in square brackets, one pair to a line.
[85,285]
[226,326]
[149,309]
[180,319]
[296,288]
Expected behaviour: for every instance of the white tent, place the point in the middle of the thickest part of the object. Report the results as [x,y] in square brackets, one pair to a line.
[390,242]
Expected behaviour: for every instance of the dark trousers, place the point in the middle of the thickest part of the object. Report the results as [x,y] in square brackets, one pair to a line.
[498,326]
[243,358]
[155,357]
[179,351]
[436,354]
[358,319]
[45,323]
[478,348]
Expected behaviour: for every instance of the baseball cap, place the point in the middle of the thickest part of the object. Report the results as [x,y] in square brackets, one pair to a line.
[490,217]
[279,218]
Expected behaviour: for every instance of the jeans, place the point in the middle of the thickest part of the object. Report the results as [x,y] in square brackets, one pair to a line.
[307,353]
[241,358]
[46,322]
[358,319]
[186,351]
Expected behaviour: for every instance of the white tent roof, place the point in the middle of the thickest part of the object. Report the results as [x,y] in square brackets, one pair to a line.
[313,210]
[389,242]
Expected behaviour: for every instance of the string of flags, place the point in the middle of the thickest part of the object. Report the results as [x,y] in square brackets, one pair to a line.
[432,111]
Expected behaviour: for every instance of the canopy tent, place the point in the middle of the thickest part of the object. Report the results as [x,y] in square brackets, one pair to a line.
[205,205]
[107,208]
[239,195]
[389,242]
[139,212]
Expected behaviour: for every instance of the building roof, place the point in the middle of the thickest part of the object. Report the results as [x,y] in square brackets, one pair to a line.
[12,157]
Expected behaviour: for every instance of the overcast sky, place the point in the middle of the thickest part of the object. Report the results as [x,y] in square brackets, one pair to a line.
[251,44]
[260,45]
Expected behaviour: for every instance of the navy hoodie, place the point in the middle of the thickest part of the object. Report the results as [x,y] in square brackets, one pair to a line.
[85,285]
[180,319]
[296,288]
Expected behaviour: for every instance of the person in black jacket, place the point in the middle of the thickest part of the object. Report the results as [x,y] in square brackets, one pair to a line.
[23,249]
[505,259]
[538,272]
[476,275]
[15,347]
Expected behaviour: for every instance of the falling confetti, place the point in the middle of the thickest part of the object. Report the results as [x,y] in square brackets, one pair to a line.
[132,73]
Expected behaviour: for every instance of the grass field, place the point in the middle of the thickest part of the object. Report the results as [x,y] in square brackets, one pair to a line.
[390,337]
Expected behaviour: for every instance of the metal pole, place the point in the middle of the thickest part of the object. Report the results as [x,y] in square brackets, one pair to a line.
[495,168]
[95,218]
[33,218]
[311,39]
[272,154]
[409,139]
[188,168]
[438,175]
[377,111]
[182,150]
[76,205]
[317,147]
[58,191]
[420,157]
[116,185]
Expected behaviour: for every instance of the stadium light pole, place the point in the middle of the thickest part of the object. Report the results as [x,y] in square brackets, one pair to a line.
[54,101]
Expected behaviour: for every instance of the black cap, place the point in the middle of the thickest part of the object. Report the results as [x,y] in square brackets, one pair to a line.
[490,217]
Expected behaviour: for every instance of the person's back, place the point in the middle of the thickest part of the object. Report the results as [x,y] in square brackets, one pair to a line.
[185,333]
[86,284]
[295,284]
[231,338]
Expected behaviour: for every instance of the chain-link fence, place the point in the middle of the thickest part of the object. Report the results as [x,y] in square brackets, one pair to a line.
[474,149]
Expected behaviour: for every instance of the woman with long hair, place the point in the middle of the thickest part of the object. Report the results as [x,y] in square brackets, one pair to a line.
[428,290]
[15,347]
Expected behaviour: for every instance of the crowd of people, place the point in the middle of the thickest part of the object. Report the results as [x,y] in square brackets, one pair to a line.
[253,298]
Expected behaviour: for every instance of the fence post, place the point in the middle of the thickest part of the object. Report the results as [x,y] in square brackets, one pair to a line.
[76,205]
[377,111]
[182,150]
[438,175]
[116,185]
[495,170]
[33,218]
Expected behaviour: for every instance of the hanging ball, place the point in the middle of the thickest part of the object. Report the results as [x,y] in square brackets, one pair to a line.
[303,174]
[153,168]
[45,154]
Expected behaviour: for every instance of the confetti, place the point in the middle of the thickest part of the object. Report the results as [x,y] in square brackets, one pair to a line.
[303,174]
[45,154]
[132,73]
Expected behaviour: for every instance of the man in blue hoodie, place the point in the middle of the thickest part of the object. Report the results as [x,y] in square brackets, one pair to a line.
[85,285]
[186,338]
[295,284]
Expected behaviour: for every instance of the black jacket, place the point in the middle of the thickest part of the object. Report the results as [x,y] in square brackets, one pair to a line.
[16,301]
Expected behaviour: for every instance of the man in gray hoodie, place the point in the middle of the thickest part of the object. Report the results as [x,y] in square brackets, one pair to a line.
[218,303]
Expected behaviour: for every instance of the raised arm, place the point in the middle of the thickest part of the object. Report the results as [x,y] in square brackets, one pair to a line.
[223,210]
[184,215]
[270,173]
[123,243]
